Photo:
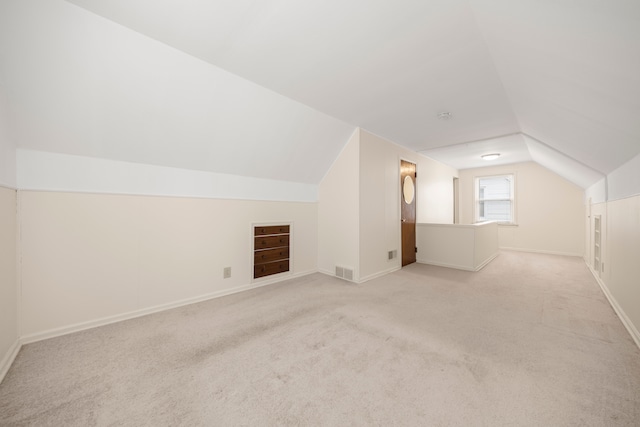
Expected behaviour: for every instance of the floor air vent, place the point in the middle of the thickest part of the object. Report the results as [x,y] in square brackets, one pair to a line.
[344,273]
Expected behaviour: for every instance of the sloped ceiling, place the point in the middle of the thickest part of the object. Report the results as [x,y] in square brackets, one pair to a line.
[557,82]
[79,84]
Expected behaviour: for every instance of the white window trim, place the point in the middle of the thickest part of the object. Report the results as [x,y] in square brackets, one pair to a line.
[476,196]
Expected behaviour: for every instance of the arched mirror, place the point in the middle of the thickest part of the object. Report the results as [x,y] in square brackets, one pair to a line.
[408,190]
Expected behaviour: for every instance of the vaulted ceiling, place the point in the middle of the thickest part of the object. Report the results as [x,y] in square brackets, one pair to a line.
[226,85]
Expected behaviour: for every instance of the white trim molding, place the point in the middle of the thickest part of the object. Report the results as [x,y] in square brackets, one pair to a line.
[635,335]
[456,266]
[538,251]
[378,274]
[8,359]
[7,186]
[52,333]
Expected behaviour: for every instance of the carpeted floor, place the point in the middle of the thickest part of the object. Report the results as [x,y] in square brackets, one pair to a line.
[530,340]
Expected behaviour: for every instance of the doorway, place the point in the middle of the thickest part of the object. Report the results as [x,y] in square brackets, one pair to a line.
[408,211]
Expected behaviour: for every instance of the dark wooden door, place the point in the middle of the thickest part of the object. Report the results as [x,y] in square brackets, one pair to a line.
[408,211]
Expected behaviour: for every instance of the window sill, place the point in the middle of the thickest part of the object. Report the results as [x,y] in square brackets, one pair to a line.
[507,224]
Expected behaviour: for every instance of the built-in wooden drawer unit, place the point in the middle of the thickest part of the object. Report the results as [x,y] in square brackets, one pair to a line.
[270,250]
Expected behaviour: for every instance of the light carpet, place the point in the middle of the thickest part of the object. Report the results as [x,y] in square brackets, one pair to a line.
[528,341]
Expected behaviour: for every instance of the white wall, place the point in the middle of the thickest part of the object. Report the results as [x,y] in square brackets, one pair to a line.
[550,210]
[39,170]
[7,144]
[338,211]
[93,258]
[597,192]
[359,204]
[461,246]
[8,235]
[380,200]
[379,205]
[8,279]
[435,179]
[622,267]
[625,180]
[620,245]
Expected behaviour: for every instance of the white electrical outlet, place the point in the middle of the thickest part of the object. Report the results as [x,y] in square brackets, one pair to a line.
[226,273]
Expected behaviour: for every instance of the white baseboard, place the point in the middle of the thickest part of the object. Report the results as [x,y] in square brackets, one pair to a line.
[459,266]
[379,274]
[538,251]
[444,264]
[364,279]
[633,331]
[332,274]
[8,359]
[487,261]
[77,327]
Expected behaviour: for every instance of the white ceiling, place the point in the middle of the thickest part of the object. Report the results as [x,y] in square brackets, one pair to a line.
[561,79]
[512,149]
[515,148]
[388,67]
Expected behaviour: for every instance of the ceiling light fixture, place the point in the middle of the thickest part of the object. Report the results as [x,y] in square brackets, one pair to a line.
[491,156]
[445,115]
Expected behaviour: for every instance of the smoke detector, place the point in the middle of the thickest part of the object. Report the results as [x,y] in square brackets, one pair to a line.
[445,115]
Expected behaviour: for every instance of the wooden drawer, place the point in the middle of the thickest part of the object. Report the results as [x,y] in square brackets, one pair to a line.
[269,255]
[271,229]
[270,268]
[268,242]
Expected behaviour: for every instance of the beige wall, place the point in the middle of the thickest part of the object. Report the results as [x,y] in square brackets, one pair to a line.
[620,248]
[359,204]
[617,200]
[92,258]
[338,211]
[622,266]
[461,246]
[379,205]
[380,200]
[8,280]
[435,182]
[550,211]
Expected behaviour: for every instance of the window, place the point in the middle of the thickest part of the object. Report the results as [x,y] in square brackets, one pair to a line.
[495,199]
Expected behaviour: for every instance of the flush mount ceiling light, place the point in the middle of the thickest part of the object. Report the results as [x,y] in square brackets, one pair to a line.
[491,156]
[445,115]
